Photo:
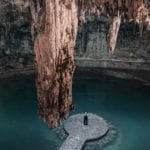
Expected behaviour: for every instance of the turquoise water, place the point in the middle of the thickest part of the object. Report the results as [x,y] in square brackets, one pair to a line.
[126,105]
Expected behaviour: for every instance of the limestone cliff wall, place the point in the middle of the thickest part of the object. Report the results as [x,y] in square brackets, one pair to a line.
[16,45]
[131,52]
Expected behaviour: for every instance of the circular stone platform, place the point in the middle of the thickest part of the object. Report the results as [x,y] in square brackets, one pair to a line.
[80,133]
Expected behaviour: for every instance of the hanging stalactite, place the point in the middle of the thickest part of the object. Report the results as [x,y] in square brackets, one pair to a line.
[54,28]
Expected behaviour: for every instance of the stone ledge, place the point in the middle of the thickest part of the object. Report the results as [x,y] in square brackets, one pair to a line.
[113,64]
[79,133]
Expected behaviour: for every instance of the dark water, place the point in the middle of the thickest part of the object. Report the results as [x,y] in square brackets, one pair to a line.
[124,104]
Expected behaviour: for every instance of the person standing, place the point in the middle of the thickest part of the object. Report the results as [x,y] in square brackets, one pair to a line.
[85,119]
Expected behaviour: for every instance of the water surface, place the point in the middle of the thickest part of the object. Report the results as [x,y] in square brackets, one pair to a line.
[126,105]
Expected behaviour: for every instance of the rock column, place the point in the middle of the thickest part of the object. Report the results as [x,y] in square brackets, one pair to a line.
[54,29]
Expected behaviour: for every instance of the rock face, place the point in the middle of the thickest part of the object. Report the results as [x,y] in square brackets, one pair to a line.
[129,45]
[92,37]
[97,35]
[54,27]
[16,47]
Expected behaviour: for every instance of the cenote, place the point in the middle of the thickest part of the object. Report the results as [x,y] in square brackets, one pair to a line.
[124,104]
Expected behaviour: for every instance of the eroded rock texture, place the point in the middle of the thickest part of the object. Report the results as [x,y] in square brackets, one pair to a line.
[55,23]
[100,20]
[15,38]
[54,27]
